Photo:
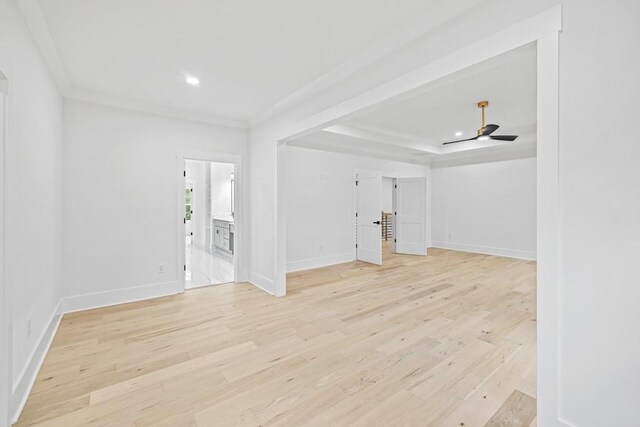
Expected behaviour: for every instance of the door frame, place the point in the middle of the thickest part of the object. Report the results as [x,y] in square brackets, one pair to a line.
[543,29]
[6,294]
[239,254]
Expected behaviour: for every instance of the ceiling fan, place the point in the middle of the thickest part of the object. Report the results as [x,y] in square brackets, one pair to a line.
[484,133]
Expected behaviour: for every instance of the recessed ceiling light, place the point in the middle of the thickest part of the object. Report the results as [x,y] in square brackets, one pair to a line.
[458,133]
[483,138]
[193,81]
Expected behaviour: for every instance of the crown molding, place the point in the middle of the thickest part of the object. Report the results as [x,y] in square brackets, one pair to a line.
[464,153]
[487,154]
[39,28]
[151,108]
[423,25]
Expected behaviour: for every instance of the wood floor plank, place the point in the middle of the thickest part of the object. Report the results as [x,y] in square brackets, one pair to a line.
[518,410]
[446,339]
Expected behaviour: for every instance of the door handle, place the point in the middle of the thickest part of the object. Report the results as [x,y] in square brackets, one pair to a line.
[376,222]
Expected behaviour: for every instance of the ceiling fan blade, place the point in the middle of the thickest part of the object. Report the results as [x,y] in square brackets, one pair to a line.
[460,140]
[504,137]
[489,129]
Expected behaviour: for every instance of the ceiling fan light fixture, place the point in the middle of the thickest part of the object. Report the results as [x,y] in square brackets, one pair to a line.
[485,133]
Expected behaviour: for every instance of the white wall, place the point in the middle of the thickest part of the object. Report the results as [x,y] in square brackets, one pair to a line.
[486,207]
[387,194]
[262,178]
[32,192]
[5,295]
[321,204]
[196,176]
[221,189]
[120,212]
[600,211]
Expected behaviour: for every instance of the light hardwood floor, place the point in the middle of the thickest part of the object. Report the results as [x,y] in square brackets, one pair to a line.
[443,340]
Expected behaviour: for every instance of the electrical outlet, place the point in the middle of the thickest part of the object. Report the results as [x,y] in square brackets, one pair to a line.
[161,268]
[28,327]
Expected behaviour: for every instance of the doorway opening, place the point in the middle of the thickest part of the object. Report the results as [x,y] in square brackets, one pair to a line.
[542,30]
[209,223]
[390,215]
[386,234]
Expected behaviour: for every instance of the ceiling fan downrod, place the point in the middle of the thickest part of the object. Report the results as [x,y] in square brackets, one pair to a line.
[482,105]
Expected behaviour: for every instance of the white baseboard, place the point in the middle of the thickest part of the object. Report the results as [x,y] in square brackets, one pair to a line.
[309,263]
[22,387]
[120,296]
[262,282]
[488,250]
[71,304]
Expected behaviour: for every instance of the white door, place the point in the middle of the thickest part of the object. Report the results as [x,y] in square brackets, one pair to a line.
[368,216]
[410,219]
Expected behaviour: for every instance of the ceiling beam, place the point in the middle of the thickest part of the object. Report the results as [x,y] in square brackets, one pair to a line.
[421,26]
[318,144]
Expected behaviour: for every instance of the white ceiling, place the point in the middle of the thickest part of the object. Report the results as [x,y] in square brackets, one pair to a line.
[414,128]
[248,54]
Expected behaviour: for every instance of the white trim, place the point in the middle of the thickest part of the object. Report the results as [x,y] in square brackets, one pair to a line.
[315,142]
[385,138]
[525,32]
[152,108]
[37,24]
[6,339]
[325,261]
[548,229]
[262,282]
[209,156]
[83,302]
[425,23]
[22,387]
[413,30]
[486,155]
[564,423]
[280,221]
[487,250]
[542,28]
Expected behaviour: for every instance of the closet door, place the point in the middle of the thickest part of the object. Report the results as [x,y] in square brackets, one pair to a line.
[410,216]
[368,217]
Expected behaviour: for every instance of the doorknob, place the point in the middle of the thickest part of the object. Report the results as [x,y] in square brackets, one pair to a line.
[376,222]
